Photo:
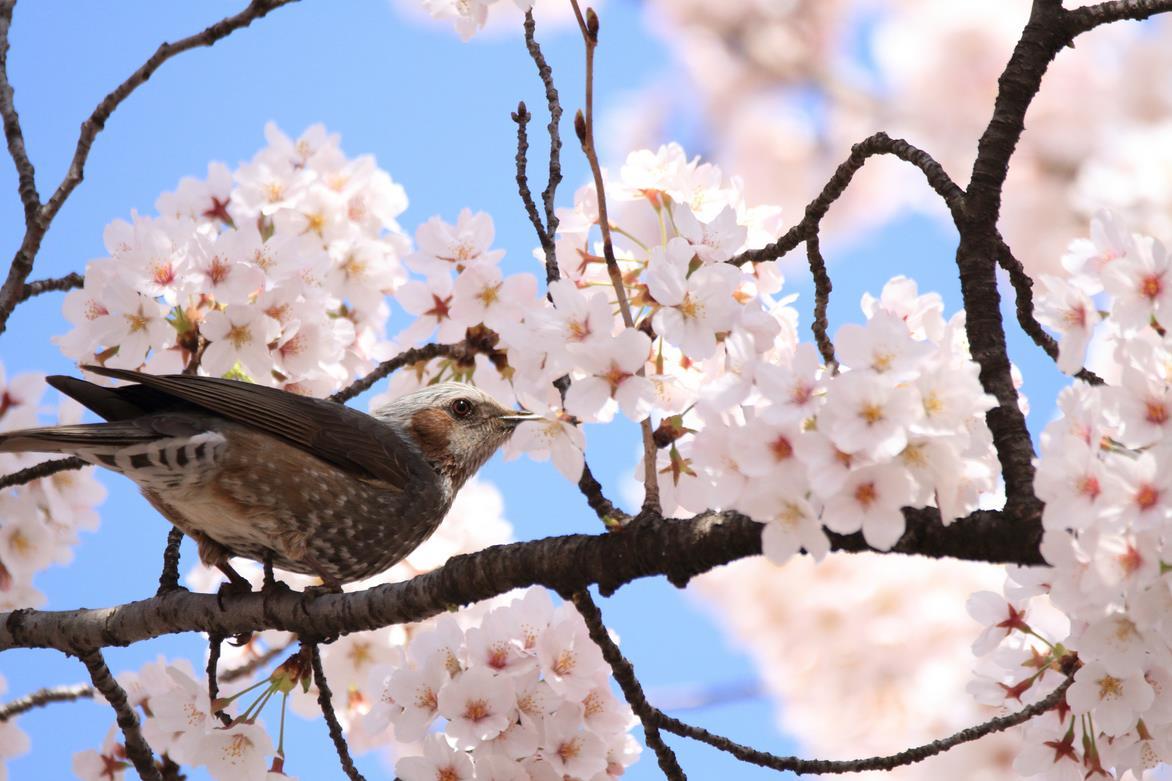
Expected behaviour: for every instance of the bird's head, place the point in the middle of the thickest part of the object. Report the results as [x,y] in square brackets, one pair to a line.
[457,426]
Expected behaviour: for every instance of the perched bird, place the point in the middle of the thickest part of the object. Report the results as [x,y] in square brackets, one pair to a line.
[309,485]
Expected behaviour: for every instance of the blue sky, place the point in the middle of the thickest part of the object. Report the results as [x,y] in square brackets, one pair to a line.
[435,113]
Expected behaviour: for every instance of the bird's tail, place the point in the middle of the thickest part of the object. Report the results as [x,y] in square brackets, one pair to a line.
[82,439]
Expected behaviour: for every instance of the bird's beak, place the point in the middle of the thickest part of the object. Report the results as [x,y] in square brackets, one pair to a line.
[514,419]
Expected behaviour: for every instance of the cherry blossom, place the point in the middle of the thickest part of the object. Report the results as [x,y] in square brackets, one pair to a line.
[612,368]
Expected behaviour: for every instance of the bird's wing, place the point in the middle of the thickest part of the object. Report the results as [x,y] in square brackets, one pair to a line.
[333,432]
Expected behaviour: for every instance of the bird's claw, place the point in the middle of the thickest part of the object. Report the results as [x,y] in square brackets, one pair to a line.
[232,588]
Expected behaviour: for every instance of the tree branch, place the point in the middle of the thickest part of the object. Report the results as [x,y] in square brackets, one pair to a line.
[405,358]
[43,469]
[584,127]
[215,646]
[1023,286]
[678,549]
[137,749]
[324,698]
[877,144]
[522,116]
[889,762]
[37,224]
[70,281]
[169,577]
[1081,20]
[78,691]
[85,691]
[976,256]
[624,674]
[26,175]
[822,288]
[555,146]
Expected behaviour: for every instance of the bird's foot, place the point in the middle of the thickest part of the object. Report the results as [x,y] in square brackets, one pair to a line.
[232,589]
[330,586]
[236,586]
[271,584]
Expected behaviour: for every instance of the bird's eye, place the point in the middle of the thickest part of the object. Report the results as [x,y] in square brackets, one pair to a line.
[461,408]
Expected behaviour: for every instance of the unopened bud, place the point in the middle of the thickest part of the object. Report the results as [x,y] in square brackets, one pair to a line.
[522,113]
[592,24]
[580,126]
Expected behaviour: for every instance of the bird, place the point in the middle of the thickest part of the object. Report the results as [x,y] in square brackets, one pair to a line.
[307,485]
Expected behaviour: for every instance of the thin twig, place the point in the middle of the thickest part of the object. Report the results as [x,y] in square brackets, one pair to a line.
[1088,17]
[85,691]
[822,288]
[324,698]
[26,174]
[405,358]
[78,691]
[169,577]
[137,749]
[604,508]
[1023,286]
[584,127]
[37,224]
[908,757]
[549,195]
[43,469]
[877,144]
[70,281]
[624,675]
[522,116]
[215,645]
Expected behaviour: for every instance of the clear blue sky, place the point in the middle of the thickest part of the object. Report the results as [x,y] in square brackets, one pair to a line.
[435,113]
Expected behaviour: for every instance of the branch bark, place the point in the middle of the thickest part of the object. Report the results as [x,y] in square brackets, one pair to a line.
[137,749]
[678,549]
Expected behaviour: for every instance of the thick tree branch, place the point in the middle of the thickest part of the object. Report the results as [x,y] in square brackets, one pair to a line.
[38,223]
[624,674]
[25,173]
[137,749]
[980,246]
[889,762]
[78,691]
[678,549]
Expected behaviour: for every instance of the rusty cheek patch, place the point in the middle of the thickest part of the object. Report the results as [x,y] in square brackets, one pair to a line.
[432,429]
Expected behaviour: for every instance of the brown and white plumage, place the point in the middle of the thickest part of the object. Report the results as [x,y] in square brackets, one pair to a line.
[314,486]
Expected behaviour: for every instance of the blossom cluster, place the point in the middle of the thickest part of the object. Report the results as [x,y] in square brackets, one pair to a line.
[1101,611]
[712,352]
[276,272]
[40,520]
[524,694]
